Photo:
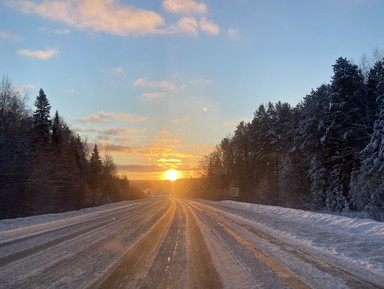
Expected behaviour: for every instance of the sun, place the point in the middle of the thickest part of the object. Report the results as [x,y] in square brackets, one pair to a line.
[171,175]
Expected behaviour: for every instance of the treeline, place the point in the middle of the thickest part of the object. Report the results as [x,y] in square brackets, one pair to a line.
[45,167]
[325,153]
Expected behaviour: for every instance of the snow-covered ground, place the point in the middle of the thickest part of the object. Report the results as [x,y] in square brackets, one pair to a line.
[361,241]
[95,239]
[23,227]
[357,241]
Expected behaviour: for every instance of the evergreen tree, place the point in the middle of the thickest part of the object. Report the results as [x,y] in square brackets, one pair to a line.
[44,168]
[109,175]
[41,118]
[96,165]
[308,143]
[242,166]
[79,150]
[57,130]
[375,77]
[264,154]
[368,183]
[347,133]
[227,151]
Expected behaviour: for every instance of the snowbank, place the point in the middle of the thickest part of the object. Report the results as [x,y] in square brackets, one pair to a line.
[360,242]
[339,223]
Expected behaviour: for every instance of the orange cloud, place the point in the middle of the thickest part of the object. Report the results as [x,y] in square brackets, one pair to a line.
[117,148]
[187,25]
[99,15]
[209,27]
[140,168]
[127,139]
[152,95]
[168,161]
[108,116]
[170,140]
[149,162]
[40,54]
[185,6]
[113,17]
[117,131]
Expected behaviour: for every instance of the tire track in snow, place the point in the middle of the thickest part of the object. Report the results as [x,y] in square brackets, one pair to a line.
[284,274]
[318,263]
[240,268]
[77,265]
[168,266]
[124,271]
[281,272]
[100,223]
[202,271]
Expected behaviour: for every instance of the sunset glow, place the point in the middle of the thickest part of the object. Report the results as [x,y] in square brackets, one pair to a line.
[171,175]
[158,84]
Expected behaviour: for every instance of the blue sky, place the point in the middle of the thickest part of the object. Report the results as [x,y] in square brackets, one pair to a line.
[160,83]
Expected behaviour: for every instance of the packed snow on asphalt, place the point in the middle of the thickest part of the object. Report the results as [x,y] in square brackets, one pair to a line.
[170,242]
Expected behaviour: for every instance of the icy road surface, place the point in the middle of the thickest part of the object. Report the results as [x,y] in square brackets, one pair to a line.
[165,242]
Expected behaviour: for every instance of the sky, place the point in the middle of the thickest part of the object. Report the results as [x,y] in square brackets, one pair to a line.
[159,83]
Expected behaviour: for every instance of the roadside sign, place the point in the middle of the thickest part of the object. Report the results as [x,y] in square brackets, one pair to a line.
[234,191]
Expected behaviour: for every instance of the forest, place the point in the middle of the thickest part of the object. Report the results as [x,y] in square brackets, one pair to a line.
[45,167]
[326,153]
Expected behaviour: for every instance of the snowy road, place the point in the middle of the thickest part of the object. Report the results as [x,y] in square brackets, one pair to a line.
[175,243]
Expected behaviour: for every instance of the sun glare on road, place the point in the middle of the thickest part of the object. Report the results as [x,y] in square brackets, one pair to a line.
[171,175]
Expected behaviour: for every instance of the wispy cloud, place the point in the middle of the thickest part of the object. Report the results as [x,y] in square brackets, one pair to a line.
[99,15]
[40,54]
[9,36]
[117,148]
[152,95]
[55,31]
[159,155]
[234,33]
[205,149]
[118,131]
[117,70]
[26,88]
[171,140]
[187,25]
[169,163]
[113,17]
[200,82]
[192,26]
[140,168]
[209,27]
[235,123]
[108,116]
[181,120]
[164,160]
[164,84]
[114,135]
[185,6]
